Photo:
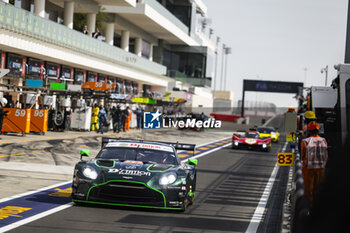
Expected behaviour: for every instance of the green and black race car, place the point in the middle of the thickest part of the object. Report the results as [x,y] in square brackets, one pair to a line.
[136,173]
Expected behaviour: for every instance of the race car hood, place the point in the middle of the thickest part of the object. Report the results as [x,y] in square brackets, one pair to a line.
[130,170]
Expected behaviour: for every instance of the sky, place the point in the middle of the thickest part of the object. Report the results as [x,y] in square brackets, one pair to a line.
[279,40]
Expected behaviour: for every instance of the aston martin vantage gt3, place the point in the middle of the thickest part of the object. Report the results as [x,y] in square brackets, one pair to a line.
[136,173]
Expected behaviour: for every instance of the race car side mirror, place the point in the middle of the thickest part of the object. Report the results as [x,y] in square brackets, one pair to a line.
[193,162]
[84,153]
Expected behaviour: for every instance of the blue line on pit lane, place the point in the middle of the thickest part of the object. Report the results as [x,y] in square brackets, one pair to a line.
[24,207]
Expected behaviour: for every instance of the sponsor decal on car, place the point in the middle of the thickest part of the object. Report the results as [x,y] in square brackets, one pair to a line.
[140,145]
[250,141]
[129,172]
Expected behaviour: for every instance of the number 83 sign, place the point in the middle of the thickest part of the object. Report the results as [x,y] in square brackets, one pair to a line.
[285,159]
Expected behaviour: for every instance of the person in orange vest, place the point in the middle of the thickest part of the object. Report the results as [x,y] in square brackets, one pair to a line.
[127,119]
[309,116]
[314,156]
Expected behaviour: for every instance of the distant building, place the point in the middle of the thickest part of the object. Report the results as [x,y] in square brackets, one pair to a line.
[147,49]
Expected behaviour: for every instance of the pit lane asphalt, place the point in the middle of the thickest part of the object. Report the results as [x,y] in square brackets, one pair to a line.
[229,186]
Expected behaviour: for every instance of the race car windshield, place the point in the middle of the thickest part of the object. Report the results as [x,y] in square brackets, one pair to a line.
[251,135]
[265,130]
[137,154]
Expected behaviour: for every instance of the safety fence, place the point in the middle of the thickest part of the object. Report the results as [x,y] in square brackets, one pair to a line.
[296,203]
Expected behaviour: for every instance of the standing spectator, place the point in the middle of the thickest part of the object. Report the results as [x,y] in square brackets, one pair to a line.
[138,113]
[127,119]
[142,115]
[85,30]
[124,115]
[116,117]
[2,114]
[102,118]
[96,34]
[314,156]
[113,121]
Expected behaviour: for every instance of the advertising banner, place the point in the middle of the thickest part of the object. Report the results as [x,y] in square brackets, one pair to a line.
[73,87]
[58,86]
[34,83]
[116,96]
[144,101]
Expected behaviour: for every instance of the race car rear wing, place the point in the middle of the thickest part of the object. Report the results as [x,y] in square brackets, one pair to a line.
[176,145]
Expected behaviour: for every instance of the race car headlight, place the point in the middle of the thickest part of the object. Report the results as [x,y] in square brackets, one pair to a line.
[264,145]
[90,173]
[236,143]
[167,179]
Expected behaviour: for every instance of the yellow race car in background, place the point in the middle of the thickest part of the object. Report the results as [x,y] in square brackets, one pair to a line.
[268,131]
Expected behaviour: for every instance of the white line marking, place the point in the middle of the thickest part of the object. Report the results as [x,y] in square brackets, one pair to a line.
[260,209]
[35,217]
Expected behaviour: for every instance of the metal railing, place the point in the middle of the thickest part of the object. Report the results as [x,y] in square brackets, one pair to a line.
[24,22]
